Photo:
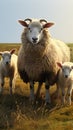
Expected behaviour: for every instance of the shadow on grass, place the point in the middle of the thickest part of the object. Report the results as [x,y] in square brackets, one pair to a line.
[17,107]
[10,107]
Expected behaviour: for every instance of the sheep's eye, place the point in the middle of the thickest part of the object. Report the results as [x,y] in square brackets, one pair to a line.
[41,29]
[30,30]
[10,56]
[63,69]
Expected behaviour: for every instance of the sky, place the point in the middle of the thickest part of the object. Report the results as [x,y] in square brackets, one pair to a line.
[58,11]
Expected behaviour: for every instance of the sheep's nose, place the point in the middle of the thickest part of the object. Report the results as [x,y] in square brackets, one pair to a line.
[34,39]
[7,63]
[66,76]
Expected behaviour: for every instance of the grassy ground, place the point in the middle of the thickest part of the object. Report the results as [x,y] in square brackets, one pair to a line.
[16,112]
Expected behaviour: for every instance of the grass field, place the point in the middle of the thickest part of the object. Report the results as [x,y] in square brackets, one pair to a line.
[16,112]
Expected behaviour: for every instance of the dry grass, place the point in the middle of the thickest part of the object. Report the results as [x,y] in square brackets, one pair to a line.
[16,112]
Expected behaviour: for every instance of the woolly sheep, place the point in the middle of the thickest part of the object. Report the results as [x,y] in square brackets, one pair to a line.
[38,55]
[8,68]
[65,80]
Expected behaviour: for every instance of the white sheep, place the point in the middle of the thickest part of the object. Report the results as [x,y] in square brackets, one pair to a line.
[8,68]
[65,80]
[38,55]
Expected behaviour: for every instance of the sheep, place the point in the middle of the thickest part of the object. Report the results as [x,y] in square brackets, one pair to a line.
[8,68]
[65,80]
[38,55]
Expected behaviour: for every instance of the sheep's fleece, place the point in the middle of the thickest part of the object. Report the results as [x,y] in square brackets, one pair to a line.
[38,62]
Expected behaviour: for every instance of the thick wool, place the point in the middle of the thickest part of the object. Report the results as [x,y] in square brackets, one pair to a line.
[38,62]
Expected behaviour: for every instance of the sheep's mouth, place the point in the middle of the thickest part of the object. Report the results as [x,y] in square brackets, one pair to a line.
[34,42]
[7,63]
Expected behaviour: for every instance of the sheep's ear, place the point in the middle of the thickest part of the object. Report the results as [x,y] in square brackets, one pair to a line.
[23,23]
[1,53]
[48,25]
[12,51]
[59,64]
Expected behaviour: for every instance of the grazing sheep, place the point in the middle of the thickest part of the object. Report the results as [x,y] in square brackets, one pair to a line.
[8,68]
[39,53]
[65,80]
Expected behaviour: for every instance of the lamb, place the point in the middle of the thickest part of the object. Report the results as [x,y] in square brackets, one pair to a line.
[65,80]
[38,55]
[8,68]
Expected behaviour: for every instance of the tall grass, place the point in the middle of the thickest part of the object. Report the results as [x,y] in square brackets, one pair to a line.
[17,113]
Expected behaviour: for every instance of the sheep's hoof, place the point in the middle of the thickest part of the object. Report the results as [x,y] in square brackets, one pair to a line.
[11,92]
[68,103]
[31,101]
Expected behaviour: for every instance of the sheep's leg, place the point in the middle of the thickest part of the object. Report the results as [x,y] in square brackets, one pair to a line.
[37,93]
[31,91]
[63,95]
[69,92]
[12,86]
[57,91]
[1,85]
[57,94]
[47,96]
[38,90]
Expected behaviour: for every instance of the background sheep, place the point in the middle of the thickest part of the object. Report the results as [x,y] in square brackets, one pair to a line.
[8,68]
[39,54]
[65,80]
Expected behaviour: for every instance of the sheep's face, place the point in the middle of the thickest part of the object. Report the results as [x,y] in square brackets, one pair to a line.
[6,58]
[66,70]
[35,28]
[35,32]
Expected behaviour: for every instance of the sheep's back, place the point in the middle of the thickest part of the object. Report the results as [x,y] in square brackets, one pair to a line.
[64,49]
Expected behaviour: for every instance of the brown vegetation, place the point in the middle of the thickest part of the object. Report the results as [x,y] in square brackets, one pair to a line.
[16,112]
